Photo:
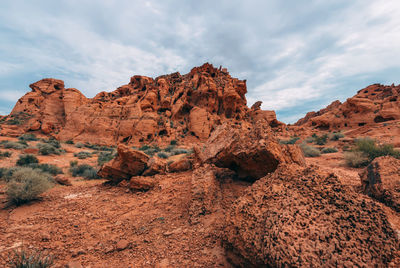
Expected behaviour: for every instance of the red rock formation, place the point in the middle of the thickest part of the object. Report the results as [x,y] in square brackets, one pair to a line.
[251,150]
[175,106]
[126,164]
[371,105]
[381,180]
[304,217]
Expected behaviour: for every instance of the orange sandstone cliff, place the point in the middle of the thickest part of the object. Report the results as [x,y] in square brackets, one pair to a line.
[371,105]
[169,107]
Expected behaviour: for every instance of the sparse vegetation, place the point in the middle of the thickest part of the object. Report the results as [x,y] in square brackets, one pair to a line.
[173,142]
[73,163]
[309,151]
[366,150]
[168,151]
[28,137]
[83,155]
[53,142]
[356,159]
[292,140]
[23,258]
[334,136]
[26,159]
[328,150]
[6,144]
[17,118]
[69,142]
[321,140]
[5,154]
[48,149]
[150,150]
[84,170]
[163,155]
[26,184]
[79,145]
[49,168]
[104,157]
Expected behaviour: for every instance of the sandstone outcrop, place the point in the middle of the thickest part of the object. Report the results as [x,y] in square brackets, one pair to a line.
[381,180]
[155,166]
[251,150]
[304,217]
[180,165]
[169,107]
[140,183]
[126,164]
[371,105]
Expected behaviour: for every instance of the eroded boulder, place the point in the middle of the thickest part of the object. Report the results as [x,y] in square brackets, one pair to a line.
[251,150]
[304,217]
[126,164]
[155,166]
[381,180]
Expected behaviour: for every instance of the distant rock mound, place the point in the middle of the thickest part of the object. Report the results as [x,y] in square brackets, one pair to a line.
[371,105]
[169,107]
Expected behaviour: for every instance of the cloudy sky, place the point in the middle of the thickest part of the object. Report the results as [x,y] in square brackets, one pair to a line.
[296,55]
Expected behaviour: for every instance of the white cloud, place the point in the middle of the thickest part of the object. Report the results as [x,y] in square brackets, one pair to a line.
[289,54]
[10,95]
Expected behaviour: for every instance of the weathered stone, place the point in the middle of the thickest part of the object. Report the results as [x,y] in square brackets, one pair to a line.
[381,180]
[126,164]
[302,217]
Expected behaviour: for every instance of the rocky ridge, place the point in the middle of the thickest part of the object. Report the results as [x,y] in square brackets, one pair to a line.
[374,104]
[169,107]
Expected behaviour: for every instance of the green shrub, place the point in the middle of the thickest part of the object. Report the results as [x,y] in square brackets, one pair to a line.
[169,148]
[28,137]
[309,151]
[49,168]
[366,148]
[5,154]
[53,142]
[356,159]
[173,142]
[84,170]
[106,149]
[150,150]
[309,140]
[69,142]
[26,184]
[328,150]
[290,141]
[83,155]
[336,136]
[6,144]
[79,145]
[180,151]
[29,259]
[321,140]
[144,147]
[3,172]
[26,159]
[105,157]
[47,149]
[163,155]
[73,163]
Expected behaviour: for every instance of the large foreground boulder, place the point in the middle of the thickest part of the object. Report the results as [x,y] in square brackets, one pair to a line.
[303,217]
[126,164]
[251,150]
[381,180]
